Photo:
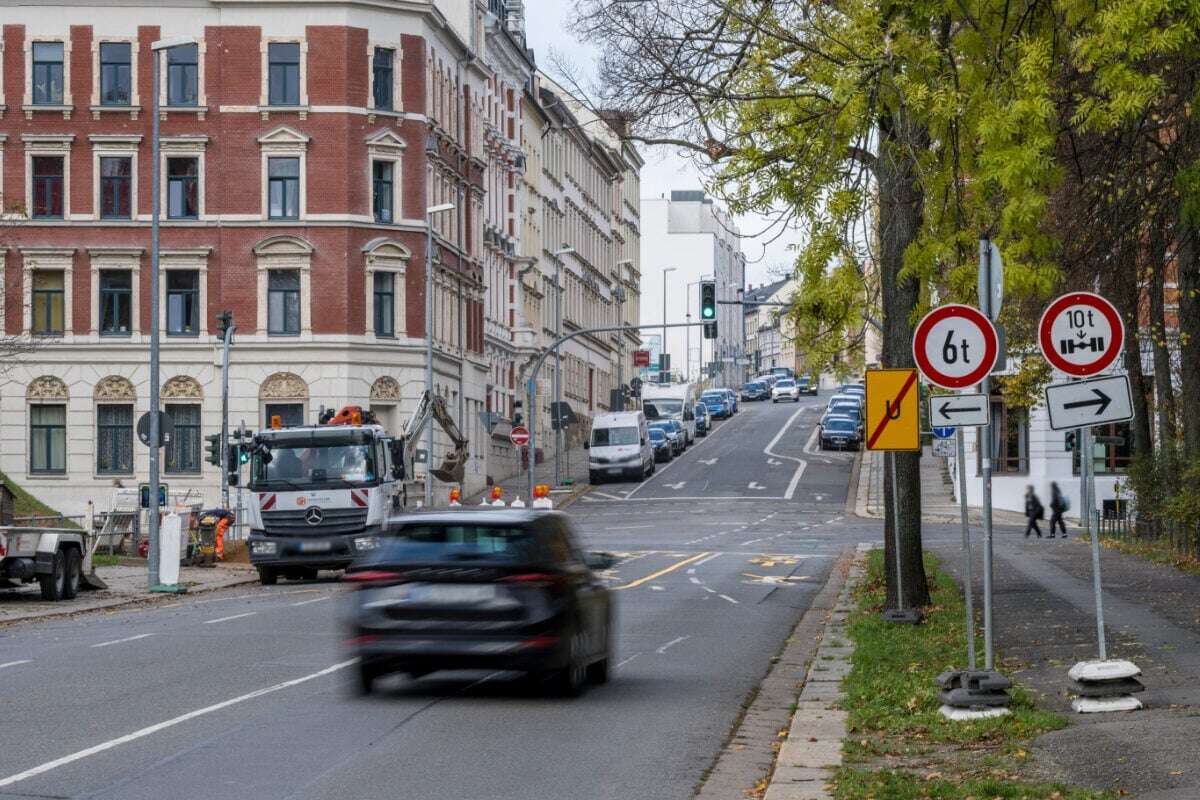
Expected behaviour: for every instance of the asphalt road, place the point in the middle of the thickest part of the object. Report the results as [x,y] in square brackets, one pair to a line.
[244,693]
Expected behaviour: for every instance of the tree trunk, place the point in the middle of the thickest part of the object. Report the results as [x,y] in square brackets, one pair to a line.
[900,212]
[1163,388]
[1126,288]
[1187,262]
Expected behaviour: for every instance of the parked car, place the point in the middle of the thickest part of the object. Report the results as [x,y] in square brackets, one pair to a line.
[661,445]
[703,420]
[675,434]
[854,388]
[768,379]
[840,433]
[845,398]
[755,391]
[733,398]
[717,404]
[847,410]
[786,389]
[482,590]
[618,447]
[808,384]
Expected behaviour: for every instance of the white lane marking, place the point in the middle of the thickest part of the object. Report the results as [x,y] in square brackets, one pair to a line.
[691,571]
[605,495]
[707,440]
[306,602]
[812,442]
[773,462]
[727,597]
[768,450]
[707,589]
[628,527]
[754,486]
[695,580]
[662,650]
[152,729]
[654,587]
[675,486]
[16,663]
[708,461]
[226,619]
[122,641]
[704,561]
[752,541]
[626,661]
[676,499]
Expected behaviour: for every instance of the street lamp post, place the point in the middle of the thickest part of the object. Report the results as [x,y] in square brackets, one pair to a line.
[556,409]
[156,198]
[664,338]
[429,212]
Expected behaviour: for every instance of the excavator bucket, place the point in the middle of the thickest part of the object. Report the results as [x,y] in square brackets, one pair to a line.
[453,468]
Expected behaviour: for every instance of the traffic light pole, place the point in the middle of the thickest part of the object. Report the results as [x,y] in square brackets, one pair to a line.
[227,322]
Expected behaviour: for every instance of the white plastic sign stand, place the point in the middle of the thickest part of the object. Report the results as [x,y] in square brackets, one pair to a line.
[170,540]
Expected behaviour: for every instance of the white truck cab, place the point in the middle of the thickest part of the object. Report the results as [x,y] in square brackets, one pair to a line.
[675,401]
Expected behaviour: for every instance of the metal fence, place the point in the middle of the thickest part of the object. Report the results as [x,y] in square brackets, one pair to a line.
[1179,538]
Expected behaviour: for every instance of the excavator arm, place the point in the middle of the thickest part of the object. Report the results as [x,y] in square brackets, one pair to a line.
[429,408]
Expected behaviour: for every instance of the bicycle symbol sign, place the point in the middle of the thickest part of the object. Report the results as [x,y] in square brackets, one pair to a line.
[955,346]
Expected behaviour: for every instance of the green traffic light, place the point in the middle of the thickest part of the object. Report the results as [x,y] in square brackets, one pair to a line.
[708,313]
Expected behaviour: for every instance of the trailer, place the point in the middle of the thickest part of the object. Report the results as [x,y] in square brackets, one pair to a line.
[54,557]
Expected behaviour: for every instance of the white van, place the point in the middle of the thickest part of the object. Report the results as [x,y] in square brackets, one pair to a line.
[675,401]
[619,446]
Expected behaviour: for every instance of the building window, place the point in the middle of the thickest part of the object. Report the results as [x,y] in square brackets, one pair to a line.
[1110,456]
[183,452]
[383,78]
[48,298]
[290,414]
[183,188]
[47,187]
[48,439]
[183,75]
[283,59]
[382,190]
[385,304]
[283,188]
[115,73]
[183,302]
[116,187]
[115,296]
[283,302]
[114,439]
[47,73]
[1010,438]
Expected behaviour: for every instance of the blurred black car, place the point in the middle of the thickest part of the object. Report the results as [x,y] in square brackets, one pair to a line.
[755,391]
[661,445]
[674,432]
[840,433]
[488,589]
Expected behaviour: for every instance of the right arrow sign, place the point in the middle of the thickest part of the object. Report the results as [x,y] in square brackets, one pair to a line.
[958,410]
[1087,403]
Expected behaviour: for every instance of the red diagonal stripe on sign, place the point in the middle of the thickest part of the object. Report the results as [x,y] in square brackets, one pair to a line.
[908,384]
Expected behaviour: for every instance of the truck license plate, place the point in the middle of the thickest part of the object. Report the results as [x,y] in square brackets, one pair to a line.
[315,547]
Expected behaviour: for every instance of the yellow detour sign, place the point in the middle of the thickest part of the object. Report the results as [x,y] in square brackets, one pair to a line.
[892,420]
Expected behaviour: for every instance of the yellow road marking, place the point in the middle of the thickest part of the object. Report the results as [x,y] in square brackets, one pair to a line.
[661,572]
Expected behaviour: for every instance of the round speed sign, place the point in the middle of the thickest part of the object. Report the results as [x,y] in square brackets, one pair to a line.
[955,346]
[1081,333]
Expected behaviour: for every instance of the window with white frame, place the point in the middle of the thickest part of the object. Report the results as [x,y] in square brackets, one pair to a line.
[48,175]
[182,177]
[384,151]
[114,74]
[184,291]
[384,93]
[284,286]
[284,167]
[183,86]
[386,262]
[48,69]
[46,281]
[48,439]
[284,73]
[115,306]
[114,163]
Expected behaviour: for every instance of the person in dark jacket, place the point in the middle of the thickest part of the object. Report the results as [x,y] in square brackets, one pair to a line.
[1033,512]
[1057,506]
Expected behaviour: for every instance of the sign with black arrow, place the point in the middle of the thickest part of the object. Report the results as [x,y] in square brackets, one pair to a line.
[958,410]
[1087,403]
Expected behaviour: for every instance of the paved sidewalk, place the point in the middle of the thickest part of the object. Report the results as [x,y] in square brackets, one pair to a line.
[126,585]
[937,492]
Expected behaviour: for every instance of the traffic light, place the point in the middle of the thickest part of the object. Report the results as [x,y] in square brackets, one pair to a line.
[224,322]
[710,330]
[1070,441]
[213,442]
[708,301]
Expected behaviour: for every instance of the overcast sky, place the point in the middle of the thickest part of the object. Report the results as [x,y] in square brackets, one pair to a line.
[665,169]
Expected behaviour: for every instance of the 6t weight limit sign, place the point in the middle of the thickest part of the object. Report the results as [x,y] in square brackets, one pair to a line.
[955,346]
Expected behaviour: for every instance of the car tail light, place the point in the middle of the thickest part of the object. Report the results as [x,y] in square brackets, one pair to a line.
[374,576]
[540,579]
[541,642]
[360,640]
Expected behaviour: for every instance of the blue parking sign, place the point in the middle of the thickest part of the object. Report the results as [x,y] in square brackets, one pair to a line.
[943,433]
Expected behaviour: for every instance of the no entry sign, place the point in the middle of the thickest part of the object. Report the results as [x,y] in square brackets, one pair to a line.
[955,346]
[1081,334]
[519,436]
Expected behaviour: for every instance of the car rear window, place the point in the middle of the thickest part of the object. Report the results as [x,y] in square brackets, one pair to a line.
[785,384]
[713,397]
[840,425]
[425,543]
[657,435]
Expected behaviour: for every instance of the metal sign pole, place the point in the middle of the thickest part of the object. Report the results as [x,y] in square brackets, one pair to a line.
[968,581]
[896,536]
[985,453]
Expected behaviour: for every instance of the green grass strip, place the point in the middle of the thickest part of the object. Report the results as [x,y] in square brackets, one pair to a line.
[858,784]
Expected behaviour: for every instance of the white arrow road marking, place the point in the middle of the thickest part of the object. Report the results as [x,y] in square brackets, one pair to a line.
[152,729]
[801,463]
[708,461]
[754,485]
[773,462]
[676,486]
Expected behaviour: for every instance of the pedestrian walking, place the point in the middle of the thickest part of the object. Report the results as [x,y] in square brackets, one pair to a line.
[1058,504]
[1033,512]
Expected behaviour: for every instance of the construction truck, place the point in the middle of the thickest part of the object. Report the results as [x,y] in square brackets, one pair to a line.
[322,494]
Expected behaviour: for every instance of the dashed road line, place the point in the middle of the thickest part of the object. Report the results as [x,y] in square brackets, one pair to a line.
[16,663]
[727,597]
[662,650]
[226,619]
[122,641]
[306,602]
